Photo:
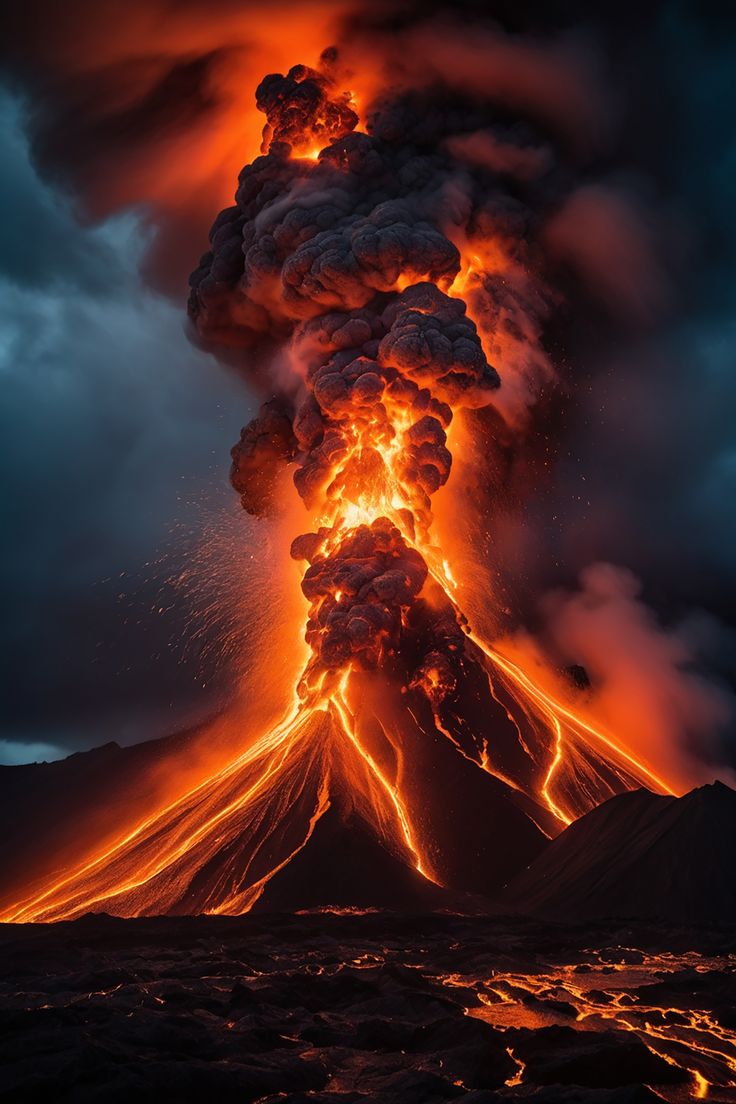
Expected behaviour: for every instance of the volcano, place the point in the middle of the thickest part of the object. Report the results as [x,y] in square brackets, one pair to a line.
[302,819]
[640,855]
[290,828]
[415,756]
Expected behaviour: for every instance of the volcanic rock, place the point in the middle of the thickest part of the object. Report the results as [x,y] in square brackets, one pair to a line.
[346,1007]
[600,1059]
[344,865]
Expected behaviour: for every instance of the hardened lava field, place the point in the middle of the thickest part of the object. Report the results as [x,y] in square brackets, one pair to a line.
[348,1007]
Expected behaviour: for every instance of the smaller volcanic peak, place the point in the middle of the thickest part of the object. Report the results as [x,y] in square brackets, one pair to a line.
[638,855]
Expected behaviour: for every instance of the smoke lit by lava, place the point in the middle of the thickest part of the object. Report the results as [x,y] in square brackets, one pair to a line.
[382,271]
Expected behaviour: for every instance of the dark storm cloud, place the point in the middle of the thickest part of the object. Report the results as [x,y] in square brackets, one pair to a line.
[108,424]
[40,240]
[648,470]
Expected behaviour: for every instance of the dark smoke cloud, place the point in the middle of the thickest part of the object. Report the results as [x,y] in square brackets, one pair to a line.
[646,471]
[640,669]
[608,239]
[552,78]
[41,247]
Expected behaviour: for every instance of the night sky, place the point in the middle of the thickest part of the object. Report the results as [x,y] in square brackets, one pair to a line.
[116,428]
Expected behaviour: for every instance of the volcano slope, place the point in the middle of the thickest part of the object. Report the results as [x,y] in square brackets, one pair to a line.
[73,841]
[640,855]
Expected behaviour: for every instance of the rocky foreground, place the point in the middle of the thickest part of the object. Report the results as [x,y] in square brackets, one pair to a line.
[346,1007]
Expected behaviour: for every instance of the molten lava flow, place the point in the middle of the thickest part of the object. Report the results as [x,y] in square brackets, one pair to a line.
[335,254]
[244,824]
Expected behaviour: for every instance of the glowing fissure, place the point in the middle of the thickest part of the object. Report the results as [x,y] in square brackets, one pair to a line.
[392,790]
[335,248]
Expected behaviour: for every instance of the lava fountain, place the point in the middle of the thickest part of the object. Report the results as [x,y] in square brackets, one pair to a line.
[338,277]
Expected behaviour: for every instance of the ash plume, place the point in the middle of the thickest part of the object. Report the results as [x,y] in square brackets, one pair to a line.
[319,248]
[363,252]
[265,444]
[160,115]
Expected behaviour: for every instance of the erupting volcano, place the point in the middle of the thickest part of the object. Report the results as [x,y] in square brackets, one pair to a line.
[383,296]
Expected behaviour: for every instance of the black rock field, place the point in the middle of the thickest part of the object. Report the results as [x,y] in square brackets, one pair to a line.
[349,1006]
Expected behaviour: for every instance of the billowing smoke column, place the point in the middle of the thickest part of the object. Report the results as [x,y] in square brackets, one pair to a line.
[316,251]
[349,262]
